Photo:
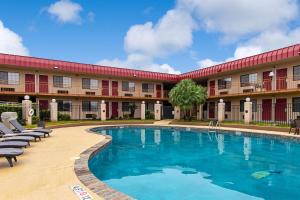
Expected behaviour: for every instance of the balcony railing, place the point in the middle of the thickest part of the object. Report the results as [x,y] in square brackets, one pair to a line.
[44,89]
[264,86]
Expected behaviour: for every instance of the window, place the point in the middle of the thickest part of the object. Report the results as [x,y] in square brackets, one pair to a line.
[125,106]
[146,87]
[63,105]
[254,105]
[227,106]
[248,79]
[10,78]
[296,104]
[88,83]
[62,81]
[89,106]
[224,83]
[242,102]
[296,73]
[128,86]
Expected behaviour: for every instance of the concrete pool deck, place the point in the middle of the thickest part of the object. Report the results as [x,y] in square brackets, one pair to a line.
[46,170]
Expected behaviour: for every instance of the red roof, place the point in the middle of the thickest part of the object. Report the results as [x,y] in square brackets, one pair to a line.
[63,66]
[267,57]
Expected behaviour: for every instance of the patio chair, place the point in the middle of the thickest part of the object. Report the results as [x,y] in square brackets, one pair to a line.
[21,129]
[9,133]
[13,144]
[297,126]
[292,125]
[10,154]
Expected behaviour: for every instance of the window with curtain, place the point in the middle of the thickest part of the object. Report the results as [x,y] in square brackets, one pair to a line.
[128,86]
[224,83]
[63,105]
[89,106]
[9,78]
[248,79]
[296,73]
[62,81]
[125,106]
[147,87]
[296,104]
[88,83]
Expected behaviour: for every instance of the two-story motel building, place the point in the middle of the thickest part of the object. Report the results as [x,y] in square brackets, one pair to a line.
[270,79]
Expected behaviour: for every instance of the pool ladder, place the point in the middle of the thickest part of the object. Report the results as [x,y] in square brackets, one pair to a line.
[213,126]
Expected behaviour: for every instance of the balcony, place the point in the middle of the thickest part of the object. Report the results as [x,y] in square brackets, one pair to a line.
[101,93]
[283,85]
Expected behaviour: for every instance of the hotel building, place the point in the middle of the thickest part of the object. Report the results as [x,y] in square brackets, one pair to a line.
[270,79]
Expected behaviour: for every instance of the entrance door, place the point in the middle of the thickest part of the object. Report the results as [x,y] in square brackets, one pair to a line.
[211,110]
[114,109]
[43,104]
[158,91]
[107,109]
[105,87]
[212,87]
[267,81]
[168,112]
[43,84]
[114,88]
[281,75]
[266,109]
[29,83]
[280,110]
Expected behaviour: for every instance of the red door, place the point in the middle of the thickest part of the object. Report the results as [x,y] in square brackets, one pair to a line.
[43,84]
[267,81]
[114,88]
[105,87]
[158,91]
[43,104]
[114,109]
[267,109]
[281,75]
[211,110]
[29,83]
[212,86]
[107,109]
[280,110]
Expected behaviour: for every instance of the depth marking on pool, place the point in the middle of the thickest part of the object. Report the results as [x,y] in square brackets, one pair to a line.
[81,193]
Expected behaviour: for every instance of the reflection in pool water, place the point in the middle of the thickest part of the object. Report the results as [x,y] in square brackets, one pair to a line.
[166,163]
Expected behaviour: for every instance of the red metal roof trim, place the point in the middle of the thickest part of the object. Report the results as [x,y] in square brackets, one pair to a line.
[271,56]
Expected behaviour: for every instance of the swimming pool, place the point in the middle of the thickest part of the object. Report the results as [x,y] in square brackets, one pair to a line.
[169,163]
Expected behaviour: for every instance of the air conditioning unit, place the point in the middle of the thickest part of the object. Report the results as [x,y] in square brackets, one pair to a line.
[62,92]
[7,89]
[128,95]
[90,93]
[148,95]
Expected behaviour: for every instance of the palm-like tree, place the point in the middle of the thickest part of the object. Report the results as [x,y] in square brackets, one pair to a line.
[186,94]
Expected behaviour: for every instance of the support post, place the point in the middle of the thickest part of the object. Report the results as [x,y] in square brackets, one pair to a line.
[103,110]
[177,112]
[143,110]
[221,110]
[248,111]
[53,111]
[200,112]
[27,110]
[157,108]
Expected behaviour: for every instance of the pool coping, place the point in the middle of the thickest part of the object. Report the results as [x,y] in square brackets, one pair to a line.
[88,179]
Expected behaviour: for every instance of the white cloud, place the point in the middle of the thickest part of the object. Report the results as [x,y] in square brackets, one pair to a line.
[91,16]
[139,61]
[10,42]
[66,11]
[236,18]
[172,33]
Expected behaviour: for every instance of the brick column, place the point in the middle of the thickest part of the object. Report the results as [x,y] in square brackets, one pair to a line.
[157,109]
[177,112]
[103,110]
[248,111]
[221,111]
[27,110]
[143,110]
[53,111]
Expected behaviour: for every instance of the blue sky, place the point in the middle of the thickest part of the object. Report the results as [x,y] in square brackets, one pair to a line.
[166,36]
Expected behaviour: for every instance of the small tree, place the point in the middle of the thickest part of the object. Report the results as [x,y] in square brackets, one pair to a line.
[186,94]
[132,107]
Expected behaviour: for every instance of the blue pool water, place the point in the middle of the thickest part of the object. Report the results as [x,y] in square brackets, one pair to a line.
[165,163]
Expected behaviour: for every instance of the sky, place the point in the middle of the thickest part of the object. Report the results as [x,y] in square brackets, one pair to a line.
[172,36]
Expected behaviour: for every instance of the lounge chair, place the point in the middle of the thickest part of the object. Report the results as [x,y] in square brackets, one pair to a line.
[13,144]
[9,133]
[10,153]
[21,129]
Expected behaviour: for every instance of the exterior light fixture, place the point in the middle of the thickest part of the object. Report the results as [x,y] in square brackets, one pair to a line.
[55,67]
[271,74]
[26,97]
[134,75]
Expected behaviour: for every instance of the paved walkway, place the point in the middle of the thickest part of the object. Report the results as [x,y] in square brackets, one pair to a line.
[45,171]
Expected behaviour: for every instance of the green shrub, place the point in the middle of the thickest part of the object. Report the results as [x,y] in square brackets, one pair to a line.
[149,114]
[63,117]
[35,119]
[125,116]
[44,115]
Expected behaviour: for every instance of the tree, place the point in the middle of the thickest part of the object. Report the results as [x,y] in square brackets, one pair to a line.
[132,107]
[186,94]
